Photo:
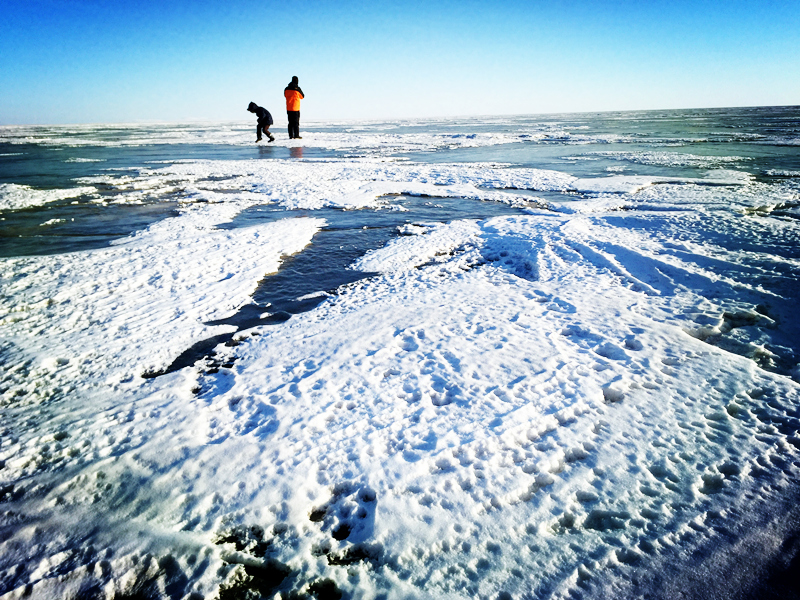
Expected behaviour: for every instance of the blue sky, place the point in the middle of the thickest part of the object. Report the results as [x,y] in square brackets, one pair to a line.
[91,61]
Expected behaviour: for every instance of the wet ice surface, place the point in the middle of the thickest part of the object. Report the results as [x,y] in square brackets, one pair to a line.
[71,227]
[559,379]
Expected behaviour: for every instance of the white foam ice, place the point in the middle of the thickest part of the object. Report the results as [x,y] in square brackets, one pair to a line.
[125,135]
[15,197]
[52,222]
[780,141]
[782,173]
[628,184]
[672,159]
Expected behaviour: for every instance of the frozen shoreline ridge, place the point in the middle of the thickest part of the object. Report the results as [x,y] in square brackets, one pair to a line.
[580,394]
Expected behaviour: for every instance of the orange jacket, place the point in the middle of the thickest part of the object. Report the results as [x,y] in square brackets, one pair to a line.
[293,99]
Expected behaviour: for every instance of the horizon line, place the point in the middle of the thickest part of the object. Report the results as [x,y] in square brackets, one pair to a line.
[388,119]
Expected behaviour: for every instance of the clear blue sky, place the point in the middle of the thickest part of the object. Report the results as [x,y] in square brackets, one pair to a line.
[93,61]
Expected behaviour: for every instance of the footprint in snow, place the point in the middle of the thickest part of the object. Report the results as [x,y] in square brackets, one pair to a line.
[349,515]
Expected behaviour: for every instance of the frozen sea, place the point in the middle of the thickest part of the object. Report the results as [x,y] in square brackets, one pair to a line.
[521,357]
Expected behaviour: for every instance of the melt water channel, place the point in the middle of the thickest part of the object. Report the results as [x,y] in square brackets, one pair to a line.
[308,278]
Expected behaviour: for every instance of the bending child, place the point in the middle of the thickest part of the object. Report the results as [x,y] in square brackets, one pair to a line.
[264,121]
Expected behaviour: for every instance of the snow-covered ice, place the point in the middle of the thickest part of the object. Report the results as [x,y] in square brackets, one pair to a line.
[568,400]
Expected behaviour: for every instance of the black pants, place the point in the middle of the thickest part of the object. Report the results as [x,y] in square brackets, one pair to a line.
[263,125]
[294,123]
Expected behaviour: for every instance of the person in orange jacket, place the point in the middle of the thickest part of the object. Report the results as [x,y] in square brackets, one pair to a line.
[293,95]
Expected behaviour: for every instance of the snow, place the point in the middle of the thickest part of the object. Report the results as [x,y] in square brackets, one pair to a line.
[521,406]
[344,184]
[170,278]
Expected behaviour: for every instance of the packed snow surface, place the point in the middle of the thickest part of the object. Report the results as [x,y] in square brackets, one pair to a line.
[522,406]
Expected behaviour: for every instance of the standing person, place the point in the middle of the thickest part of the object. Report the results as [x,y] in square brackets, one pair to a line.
[293,95]
[264,121]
